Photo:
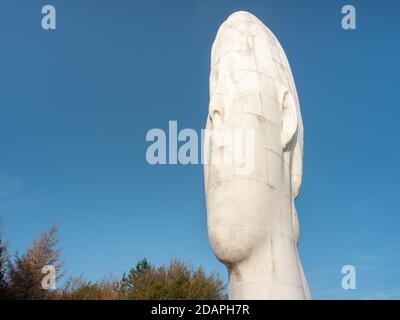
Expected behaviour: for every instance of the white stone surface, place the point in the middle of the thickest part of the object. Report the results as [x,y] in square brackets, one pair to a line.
[252,220]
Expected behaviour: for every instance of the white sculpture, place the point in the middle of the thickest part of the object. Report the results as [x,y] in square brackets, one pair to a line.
[252,220]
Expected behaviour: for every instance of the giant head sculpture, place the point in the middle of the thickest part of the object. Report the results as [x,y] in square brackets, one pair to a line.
[252,220]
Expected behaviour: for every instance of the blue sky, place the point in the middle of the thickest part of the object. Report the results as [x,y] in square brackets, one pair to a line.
[76,104]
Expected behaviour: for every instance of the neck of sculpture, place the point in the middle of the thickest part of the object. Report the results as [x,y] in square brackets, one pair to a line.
[273,271]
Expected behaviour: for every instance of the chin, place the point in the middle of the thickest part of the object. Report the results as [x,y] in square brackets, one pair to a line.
[232,243]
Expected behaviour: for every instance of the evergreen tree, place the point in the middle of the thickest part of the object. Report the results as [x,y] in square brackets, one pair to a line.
[127,282]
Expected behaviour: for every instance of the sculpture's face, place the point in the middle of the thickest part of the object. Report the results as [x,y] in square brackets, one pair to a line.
[248,179]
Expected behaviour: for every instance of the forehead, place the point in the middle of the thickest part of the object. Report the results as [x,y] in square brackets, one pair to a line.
[244,52]
[242,32]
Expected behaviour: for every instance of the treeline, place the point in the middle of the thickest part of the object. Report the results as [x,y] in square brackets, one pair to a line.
[21,277]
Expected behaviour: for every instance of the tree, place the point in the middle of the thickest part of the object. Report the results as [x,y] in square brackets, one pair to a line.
[78,289]
[4,260]
[126,284]
[25,274]
[177,280]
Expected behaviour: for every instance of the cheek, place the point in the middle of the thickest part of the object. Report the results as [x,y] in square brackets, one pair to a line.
[244,203]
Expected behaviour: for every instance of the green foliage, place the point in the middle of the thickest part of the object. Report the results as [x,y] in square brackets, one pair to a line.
[127,282]
[22,278]
[79,289]
[176,281]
